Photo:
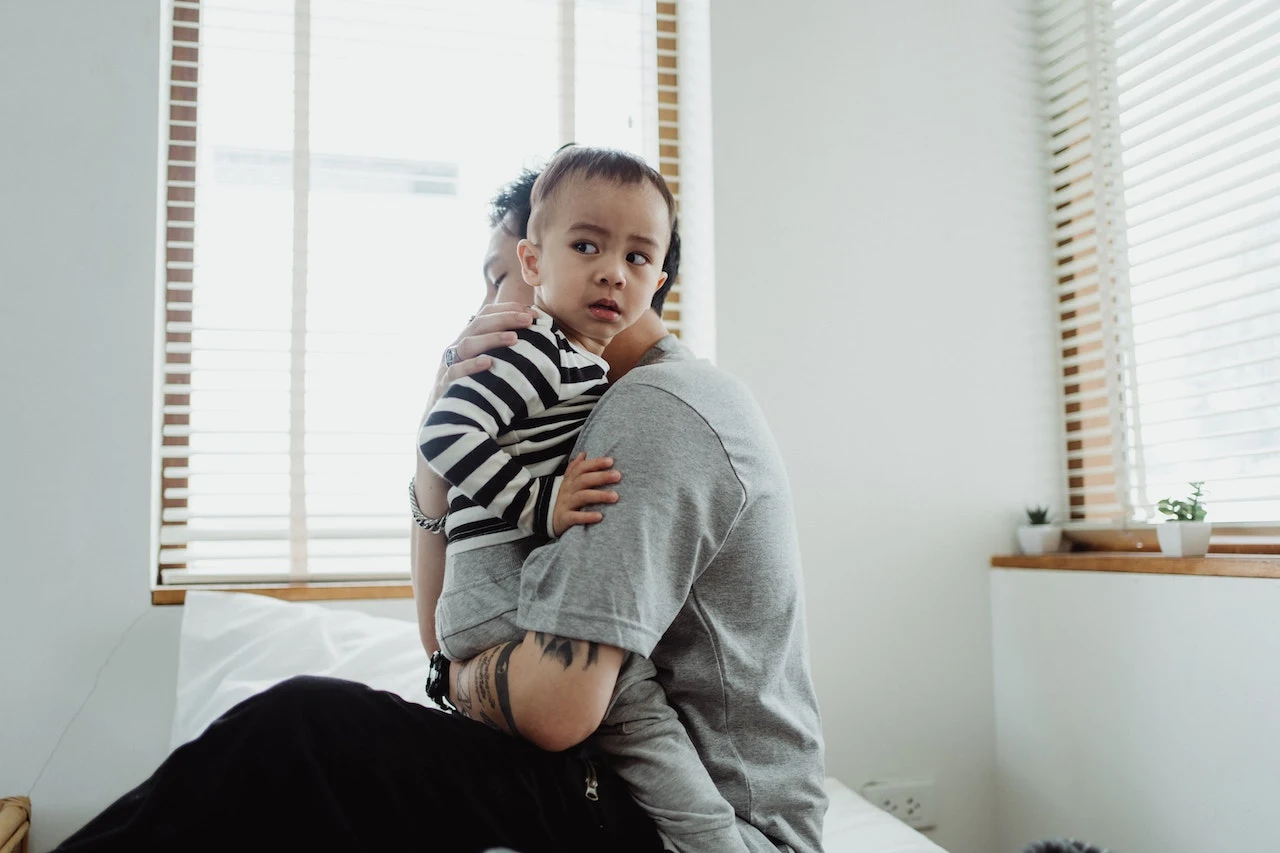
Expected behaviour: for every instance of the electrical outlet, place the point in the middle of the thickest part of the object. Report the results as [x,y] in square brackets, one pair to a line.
[915,803]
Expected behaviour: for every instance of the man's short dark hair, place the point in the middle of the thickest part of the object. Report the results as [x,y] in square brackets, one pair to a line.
[670,266]
[513,205]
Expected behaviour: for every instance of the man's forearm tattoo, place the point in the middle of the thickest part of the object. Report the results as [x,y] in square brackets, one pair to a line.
[480,681]
[463,701]
[483,692]
[500,684]
[483,689]
[564,649]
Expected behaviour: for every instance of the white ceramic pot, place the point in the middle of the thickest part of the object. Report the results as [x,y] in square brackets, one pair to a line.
[1039,538]
[1184,538]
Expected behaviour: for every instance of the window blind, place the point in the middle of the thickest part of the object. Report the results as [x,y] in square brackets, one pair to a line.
[1163,128]
[329,166]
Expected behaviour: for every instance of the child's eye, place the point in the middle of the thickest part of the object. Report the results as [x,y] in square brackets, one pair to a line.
[584,247]
[637,258]
[497,282]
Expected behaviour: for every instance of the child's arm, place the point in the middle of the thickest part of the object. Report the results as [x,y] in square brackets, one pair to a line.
[458,439]
[661,767]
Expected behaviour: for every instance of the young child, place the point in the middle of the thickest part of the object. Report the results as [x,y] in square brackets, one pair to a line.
[601,225]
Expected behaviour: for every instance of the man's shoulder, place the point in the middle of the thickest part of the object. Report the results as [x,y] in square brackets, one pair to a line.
[687,398]
[694,382]
[709,393]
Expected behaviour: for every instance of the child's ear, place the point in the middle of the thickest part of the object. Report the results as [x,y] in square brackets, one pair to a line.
[662,279]
[528,254]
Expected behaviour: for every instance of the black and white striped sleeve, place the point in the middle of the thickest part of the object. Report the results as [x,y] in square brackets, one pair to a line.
[458,439]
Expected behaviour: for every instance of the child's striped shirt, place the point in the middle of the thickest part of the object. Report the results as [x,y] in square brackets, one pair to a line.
[502,438]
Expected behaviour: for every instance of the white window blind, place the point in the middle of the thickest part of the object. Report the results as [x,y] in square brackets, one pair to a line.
[1163,126]
[329,168]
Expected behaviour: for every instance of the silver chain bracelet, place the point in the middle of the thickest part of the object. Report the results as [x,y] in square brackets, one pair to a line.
[431,525]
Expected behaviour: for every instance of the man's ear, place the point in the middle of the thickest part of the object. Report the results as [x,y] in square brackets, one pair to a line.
[528,254]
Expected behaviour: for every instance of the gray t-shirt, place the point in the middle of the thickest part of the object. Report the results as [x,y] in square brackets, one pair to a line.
[697,567]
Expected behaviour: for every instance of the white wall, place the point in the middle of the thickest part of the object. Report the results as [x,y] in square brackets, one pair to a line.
[1137,712]
[79,98]
[79,112]
[880,286]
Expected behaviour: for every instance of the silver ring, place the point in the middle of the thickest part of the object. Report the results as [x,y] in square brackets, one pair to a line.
[451,356]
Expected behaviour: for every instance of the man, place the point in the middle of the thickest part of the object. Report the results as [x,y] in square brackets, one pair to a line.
[696,566]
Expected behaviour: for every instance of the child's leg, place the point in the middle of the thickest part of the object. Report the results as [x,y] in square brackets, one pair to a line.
[647,745]
[477,607]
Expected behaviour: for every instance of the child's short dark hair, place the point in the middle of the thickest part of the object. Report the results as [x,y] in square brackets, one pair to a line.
[513,204]
[581,161]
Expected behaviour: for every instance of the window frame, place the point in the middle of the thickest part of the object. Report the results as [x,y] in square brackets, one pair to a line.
[1103,452]
[179,229]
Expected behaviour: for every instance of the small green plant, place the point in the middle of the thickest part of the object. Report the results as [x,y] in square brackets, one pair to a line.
[1038,514]
[1191,509]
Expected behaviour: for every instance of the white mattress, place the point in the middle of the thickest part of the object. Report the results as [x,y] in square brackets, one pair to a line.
[235,645]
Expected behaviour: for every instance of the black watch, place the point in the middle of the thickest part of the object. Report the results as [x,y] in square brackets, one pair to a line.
[438,681]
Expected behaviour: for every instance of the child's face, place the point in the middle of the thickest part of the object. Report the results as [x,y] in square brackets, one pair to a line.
[598,261]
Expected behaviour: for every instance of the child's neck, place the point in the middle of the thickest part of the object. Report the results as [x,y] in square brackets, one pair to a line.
[591,345]
[631,344]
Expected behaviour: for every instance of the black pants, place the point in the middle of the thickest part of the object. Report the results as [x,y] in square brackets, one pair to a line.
[321,764]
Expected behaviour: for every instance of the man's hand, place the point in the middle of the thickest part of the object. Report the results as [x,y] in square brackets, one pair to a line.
[494,326]
[581,487]
[552,691]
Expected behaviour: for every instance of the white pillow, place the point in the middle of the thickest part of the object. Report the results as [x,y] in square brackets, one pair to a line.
[234,645]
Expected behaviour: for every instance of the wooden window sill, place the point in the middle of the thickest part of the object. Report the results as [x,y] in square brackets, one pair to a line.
[292,591]
[1214,565]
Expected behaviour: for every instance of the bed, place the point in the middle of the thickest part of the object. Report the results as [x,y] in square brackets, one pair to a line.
[235,645]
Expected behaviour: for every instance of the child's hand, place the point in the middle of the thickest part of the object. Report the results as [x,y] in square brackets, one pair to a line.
[580,488]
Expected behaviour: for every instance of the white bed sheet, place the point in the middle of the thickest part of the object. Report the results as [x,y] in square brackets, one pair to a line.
[233,645]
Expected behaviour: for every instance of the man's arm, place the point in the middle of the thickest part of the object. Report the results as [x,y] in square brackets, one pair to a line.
[620,582]
[549,690]
[493,326]
[426,552]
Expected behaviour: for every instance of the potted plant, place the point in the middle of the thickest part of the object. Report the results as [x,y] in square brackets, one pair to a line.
[1185,533]
[1038,536]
